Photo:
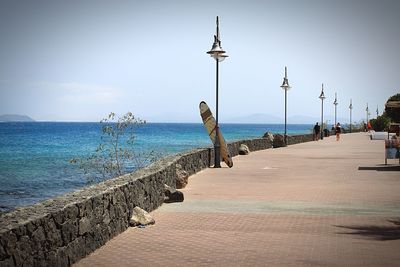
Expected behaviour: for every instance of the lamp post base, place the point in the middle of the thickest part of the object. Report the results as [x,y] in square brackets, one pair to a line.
[217,157]
[217,146]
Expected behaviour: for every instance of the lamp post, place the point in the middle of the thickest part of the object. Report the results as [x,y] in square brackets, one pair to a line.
[335,103]
[350,107]
[285,86]
[219,55]
[322,97]
[367,111]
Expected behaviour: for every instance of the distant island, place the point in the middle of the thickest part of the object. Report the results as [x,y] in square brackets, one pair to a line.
[15,118]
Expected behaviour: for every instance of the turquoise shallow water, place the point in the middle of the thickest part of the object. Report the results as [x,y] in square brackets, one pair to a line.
[34,157]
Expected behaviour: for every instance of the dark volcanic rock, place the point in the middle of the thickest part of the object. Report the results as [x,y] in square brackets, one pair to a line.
[172,195]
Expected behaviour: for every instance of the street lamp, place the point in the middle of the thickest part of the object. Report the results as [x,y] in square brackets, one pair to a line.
[350,107]
[335,103]
[322,97]
[285,86]
[367,110]
[219,55]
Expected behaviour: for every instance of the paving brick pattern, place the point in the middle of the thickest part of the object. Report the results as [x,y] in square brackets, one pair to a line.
[322,203]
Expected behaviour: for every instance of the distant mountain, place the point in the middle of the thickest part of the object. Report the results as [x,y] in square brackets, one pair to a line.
[15,117]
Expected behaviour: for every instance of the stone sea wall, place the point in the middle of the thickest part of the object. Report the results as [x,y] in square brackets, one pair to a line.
[60,231]
[297,139]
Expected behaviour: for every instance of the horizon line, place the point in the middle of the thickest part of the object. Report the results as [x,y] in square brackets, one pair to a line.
[169,122]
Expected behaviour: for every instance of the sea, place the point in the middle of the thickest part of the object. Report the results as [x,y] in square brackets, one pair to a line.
[35,156]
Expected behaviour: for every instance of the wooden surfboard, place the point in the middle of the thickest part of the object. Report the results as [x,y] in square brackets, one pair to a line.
[210,123]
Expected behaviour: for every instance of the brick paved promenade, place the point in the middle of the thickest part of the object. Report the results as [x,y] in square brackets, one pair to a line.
[322,203]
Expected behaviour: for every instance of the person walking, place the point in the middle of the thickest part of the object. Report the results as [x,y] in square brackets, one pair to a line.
[338,131]
[369,126]
[317,131]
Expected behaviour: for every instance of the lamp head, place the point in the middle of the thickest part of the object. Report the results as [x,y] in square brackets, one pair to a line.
[335,102]
[216,47]
[285,84]
[322,95]
[216,50]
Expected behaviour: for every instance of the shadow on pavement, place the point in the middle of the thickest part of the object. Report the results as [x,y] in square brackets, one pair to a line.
[381,233]
[387,168]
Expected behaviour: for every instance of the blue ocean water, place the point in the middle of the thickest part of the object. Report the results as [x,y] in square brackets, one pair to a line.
[34,156]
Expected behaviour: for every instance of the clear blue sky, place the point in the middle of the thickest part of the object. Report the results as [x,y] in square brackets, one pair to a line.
[79,60]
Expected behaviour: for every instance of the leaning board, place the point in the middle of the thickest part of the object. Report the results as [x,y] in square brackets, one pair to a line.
[209,123]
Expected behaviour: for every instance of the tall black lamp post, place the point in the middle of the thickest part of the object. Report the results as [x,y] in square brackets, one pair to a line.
[285,86]
[322,97]
[219,55]
[335,103]
[350,107]
[367,112]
